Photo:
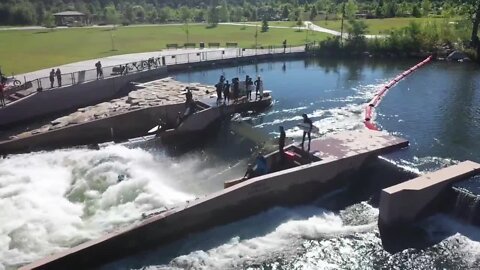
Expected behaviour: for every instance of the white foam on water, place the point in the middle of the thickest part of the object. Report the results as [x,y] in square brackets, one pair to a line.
[50,201]
[348,116]
[463,241]
[284,241]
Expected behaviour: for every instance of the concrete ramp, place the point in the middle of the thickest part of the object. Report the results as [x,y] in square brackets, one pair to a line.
[406,202]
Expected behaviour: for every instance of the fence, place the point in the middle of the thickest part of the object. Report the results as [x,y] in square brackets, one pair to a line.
[68,79]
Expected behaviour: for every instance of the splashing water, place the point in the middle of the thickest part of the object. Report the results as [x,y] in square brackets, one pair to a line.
[54,200]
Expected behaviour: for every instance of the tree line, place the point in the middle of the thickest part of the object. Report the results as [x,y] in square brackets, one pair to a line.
[39,12]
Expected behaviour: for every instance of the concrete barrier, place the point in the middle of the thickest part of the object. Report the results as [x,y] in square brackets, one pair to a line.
[123,126]
[56,100]
[405,203]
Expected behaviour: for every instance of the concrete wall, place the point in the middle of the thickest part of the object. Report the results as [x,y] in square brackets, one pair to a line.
[124,126]
[406,202]
[119,127]
[61,99]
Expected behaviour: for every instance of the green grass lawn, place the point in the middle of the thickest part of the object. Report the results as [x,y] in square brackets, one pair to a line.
[379,26]
[29,50]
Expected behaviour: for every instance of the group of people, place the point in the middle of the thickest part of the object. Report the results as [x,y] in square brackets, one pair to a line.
[261,167]
[58,74]
[227,91]
[54,74]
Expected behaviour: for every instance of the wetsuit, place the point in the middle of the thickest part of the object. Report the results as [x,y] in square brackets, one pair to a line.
[226,92]
[308,121]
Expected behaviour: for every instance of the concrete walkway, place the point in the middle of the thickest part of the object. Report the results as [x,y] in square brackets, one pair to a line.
[114,60]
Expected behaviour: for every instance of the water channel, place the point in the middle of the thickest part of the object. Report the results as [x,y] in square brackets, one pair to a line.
[56,199]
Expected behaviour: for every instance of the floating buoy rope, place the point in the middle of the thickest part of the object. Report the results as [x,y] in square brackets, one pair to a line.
[375,102]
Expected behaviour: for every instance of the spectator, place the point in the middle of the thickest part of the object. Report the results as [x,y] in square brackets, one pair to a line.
[2,97]
[226,92]
[284,46]
[52,77]
[98,66]
[59,77]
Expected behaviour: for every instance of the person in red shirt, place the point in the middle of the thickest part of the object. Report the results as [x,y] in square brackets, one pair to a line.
[2,97]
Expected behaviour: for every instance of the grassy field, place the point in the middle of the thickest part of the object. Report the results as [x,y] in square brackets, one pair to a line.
[29,50]
[379,26]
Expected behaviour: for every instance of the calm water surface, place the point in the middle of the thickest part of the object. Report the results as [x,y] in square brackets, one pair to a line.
[436,108]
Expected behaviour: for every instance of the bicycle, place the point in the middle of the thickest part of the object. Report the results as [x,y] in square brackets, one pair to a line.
[10,81]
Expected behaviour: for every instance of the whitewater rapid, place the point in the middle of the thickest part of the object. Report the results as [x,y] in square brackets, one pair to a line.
[50,201]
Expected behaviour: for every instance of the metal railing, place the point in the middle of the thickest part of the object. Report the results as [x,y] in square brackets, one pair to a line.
[69,79]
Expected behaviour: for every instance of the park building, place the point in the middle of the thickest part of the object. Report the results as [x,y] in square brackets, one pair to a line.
[70,18]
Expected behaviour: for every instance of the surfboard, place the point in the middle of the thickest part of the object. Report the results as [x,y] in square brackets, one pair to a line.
[306,128]
[154,129]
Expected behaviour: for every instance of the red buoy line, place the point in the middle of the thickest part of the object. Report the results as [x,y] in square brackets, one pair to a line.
[378,96]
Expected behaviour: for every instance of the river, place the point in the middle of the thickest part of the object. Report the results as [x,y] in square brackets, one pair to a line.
[56,199]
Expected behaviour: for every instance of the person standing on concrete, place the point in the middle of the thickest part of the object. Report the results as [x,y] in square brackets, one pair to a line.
[98,66]
[52,77]
[284,46]
[226,92]
[188,96]
[236,89]
[258,88]
[59,77]
[248,88]
[219,89]
[308,132]
[2,96]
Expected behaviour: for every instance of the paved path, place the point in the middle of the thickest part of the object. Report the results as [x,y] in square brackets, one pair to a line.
[114,60]
[259,25]
[317,28]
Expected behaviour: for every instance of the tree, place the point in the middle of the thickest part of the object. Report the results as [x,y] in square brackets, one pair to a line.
[48,21]
[223,12]
[152,15]
[390,9]
[111,15]
[313,13]
[139,13]
[213,16]
[299,23]
[129,15]
[23,14]
[264,24]
[185,16]
[426,7]
[416,11]
[285,12]
[356,35]
[165,14]
[351,9]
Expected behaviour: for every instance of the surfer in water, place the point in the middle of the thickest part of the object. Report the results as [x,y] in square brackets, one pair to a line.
[307,121]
